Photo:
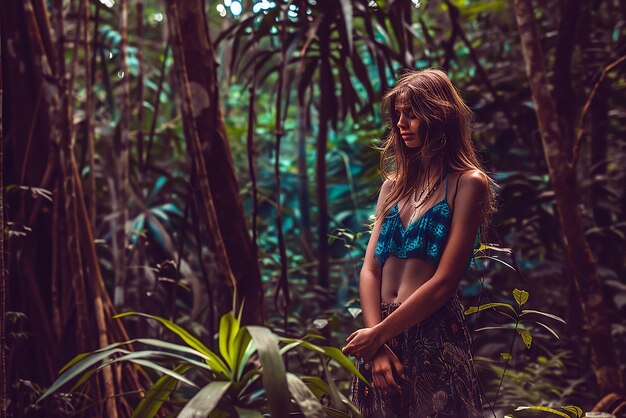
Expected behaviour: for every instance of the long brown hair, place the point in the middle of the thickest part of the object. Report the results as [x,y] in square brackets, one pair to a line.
[444,130]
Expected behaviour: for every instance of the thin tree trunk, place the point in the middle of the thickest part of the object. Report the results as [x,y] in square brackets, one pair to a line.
[191,107]
[89,100]
[577,249]
[3,285]
[140,77]
[122,158]
[196,63]
[283,282]
[327,99]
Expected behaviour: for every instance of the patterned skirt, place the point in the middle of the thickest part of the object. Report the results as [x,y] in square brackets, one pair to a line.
[438,363]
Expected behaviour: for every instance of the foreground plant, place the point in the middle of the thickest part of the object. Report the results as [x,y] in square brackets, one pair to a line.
[247,377]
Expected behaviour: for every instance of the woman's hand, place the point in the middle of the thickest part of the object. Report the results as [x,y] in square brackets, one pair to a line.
[383,364]
[364,343]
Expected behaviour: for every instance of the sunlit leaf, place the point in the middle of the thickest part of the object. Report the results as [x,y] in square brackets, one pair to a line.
[273,371]
[306,400]
[521,296]
[526,337]
[205,401]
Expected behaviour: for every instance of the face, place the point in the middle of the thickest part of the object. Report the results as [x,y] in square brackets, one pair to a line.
[408,124]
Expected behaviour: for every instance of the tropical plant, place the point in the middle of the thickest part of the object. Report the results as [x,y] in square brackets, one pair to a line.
[568,411]
[247,377]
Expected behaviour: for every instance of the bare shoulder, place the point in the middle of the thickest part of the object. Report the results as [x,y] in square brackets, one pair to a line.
[473,184]
[387,184]
[386,187]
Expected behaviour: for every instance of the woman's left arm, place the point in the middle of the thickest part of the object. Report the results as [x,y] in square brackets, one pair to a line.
[472,192]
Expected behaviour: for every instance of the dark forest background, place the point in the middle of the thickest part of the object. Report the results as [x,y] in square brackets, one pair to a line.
[171,157]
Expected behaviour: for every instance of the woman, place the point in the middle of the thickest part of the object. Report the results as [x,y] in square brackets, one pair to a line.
[415,348]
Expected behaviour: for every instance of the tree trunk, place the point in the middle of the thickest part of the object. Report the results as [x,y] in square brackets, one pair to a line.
[577,249]
[327,103]
[3,308]
[54,268]
[203,120]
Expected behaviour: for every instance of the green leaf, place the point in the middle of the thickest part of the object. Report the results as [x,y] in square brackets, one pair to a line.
[205,400]
[151,353]
[474,309]
[506,356]
[526,337]
[521,296]
[158,393]
[550,330]
[273,371]
[339,357]
[549,315]
[79,367]
[306,400]
[229,327]
[575,410]
[81,356]
[334,393]
[544,409]
[162,369]
[212,360]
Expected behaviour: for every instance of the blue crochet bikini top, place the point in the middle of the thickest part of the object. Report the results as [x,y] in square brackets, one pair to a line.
[424,238]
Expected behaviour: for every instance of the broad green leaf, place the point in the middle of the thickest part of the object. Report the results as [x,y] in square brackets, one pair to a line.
[163,370]
[82,380]
[306,400]
[549,315]
[521,296]
[227,333]
[171,346]
[239,348]
[79,367]
[213,359]
[544,409]
[151,354]
[526,337]
[158,393]
[288,347]
[247,353]
[81,356]
[205,401]
[273,371]
[339,357]
[304,344]
[334,393]
[353,409]
[316,385]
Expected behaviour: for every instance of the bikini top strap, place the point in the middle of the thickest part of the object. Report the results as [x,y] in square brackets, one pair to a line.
[447,172]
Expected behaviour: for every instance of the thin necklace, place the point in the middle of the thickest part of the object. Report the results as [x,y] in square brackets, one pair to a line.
[419,201]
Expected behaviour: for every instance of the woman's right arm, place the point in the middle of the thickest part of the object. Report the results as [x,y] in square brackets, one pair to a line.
[385,360]
[371,273]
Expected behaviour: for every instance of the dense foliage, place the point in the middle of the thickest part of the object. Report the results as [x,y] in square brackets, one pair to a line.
[299,86]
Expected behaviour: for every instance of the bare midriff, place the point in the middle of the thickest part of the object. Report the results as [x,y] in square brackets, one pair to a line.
[401,277]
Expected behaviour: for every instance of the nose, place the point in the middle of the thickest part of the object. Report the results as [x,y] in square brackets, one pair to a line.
[401,121]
